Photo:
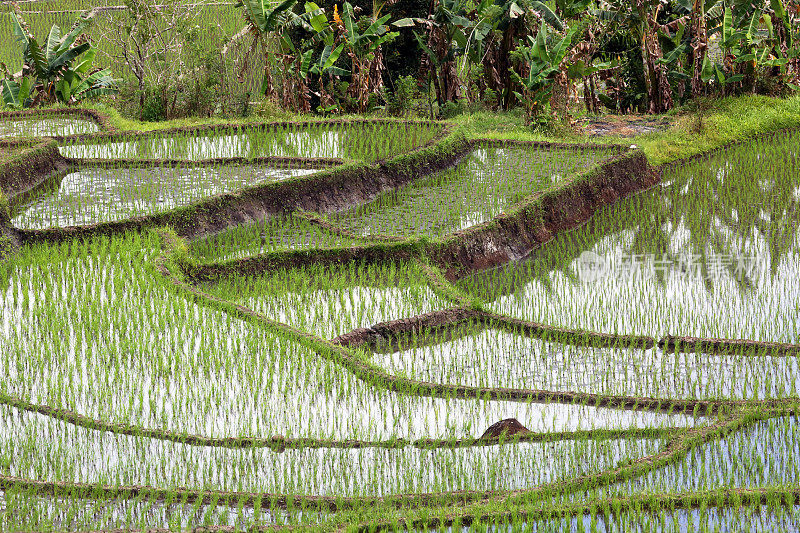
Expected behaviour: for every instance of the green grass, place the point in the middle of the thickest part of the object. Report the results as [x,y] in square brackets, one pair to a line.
[724,120]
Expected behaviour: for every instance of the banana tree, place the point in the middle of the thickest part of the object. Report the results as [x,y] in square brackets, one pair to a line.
[324,67]
[447,31]
[266,24]
[545,55]
[16,93]
[639,19]
[748,44]
[364,50]
[60,70]
[511,22]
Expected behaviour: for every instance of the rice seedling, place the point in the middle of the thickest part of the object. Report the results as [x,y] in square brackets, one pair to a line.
[274,234]
[46,127]
[22,510]
[236,400]
[473,355]
[49,449]
[92,330]
[364,141]
[108,193]
[705,519]
[483,185]
[330,301]
[763,454]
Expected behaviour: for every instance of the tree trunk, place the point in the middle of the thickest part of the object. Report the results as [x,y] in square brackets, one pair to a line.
[659,89]
[699,46]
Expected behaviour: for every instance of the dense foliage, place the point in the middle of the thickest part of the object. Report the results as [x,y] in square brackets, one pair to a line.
[183,57]
[60,70]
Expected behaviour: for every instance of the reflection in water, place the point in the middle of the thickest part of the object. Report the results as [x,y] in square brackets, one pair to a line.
[43,127]
[62,452]
[262,236]
[100,336]
[470,355]
[367,142]
[331,301]
[718,244]
[92,195]
[763,454]
[211,147]
[737,519]
[22,511]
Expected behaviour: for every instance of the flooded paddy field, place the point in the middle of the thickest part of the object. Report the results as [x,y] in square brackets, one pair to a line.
[714,251]
[485,183]
[111,193]
[357,141]
[46,126]
[326,370]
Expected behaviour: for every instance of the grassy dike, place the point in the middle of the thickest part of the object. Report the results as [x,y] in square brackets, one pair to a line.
[695,128]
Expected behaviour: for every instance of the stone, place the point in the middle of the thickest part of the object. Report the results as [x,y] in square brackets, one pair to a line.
[506,427]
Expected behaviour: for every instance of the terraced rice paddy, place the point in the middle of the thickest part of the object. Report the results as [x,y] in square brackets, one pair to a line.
[485,183]
[112,193]
[714,251]
[263,236]
[364,141]
[472,355]
[329,370]
[46,127]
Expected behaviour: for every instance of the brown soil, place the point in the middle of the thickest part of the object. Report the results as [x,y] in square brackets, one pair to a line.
[623,125]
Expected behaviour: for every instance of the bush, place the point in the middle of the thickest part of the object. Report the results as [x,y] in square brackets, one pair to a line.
[154,106]
[400,101]
[452,109]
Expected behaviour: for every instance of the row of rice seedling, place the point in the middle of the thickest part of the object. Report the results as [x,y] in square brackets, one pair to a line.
[484,184]
[37,447]
[332,300]
[21,511]
[712,252]
[766,453]
[704,519]
[364,141]
[46,126]
[27,510]
[113,192]
[93,329]
[472,355]
[274,234]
